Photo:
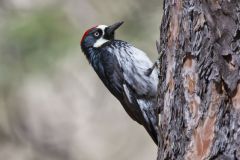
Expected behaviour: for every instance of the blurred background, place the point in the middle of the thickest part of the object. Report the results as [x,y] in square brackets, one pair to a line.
[52,104]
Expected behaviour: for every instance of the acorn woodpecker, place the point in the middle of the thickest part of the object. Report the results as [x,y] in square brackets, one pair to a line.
[122,68]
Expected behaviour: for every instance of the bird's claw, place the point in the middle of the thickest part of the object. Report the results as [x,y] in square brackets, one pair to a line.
[149,71]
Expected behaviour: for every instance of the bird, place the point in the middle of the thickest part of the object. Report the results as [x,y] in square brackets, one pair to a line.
[124,70]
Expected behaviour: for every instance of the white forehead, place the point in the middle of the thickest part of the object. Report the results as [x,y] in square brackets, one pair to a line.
[102,27]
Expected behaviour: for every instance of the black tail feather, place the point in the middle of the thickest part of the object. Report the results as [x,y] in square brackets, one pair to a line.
[153,132]
[152,125]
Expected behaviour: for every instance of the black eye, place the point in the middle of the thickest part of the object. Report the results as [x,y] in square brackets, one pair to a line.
[96,34]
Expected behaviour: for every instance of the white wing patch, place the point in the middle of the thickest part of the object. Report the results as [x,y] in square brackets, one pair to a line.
[127,92]
[101,40]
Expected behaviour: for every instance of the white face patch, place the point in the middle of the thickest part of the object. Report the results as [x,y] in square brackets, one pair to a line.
[101,40]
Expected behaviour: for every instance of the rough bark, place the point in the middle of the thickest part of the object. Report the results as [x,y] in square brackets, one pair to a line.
[199,90]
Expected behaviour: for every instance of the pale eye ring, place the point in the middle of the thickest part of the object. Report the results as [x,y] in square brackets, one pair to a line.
[96,34]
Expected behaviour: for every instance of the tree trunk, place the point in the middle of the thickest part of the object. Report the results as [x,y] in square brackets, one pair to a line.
[199,90]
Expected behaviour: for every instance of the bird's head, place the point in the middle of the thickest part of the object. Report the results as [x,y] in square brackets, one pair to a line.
[98,35]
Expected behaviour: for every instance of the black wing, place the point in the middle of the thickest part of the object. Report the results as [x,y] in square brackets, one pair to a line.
[111,73]
[112,76]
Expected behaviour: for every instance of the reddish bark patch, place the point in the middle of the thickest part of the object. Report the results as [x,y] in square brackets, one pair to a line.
[171,82]
[174,30]
[193,106]
[174,26]
[202,139]
[236,99]
[190,78]
[191,85]
[203,135]
[187,61]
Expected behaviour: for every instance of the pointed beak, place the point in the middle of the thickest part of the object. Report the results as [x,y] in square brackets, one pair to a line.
[110,29]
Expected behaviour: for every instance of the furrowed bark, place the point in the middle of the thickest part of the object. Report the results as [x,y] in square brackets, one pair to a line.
[199,90]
